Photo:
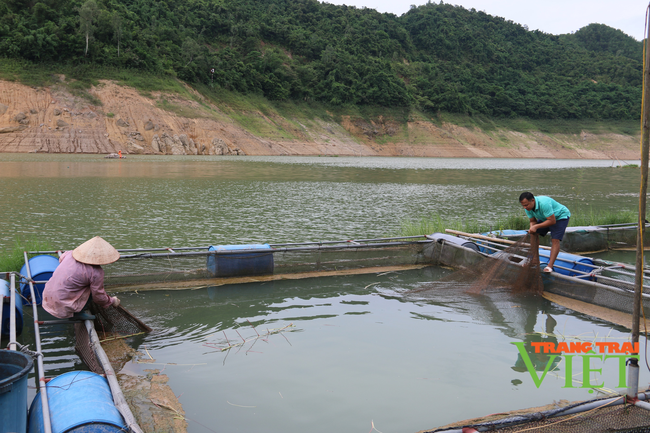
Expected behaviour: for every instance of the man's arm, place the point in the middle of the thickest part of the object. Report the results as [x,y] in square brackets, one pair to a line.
[534,225]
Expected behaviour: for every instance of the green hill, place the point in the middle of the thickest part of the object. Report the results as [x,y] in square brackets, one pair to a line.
[436,57]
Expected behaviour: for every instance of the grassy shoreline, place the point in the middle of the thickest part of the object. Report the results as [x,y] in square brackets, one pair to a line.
[12,260]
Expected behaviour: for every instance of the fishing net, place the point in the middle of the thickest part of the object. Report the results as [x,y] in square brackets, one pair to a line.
[116,321]
[515,268]
[199,267]
[84,350]
[110,323]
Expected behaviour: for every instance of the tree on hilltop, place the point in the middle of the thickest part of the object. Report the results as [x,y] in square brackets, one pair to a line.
[88,13]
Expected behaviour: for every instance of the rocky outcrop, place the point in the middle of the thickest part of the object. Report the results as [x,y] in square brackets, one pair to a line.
[174,144]
[135,135]
[7,129]
[132,147]
[219,147]
[188,145]
[21,118]
[156,144]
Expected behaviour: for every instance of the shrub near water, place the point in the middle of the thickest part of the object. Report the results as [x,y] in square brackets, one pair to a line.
[435,223]
[12,259]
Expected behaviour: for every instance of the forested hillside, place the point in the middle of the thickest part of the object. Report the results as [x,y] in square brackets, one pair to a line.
[436,57]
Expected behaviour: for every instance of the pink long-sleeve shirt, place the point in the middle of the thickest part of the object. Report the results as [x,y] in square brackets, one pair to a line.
[70,286]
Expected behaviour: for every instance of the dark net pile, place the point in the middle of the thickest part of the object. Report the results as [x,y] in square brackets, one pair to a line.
[515,268]
[109,323]
[601,419]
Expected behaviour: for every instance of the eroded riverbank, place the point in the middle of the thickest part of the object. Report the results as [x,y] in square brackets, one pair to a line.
[51,120]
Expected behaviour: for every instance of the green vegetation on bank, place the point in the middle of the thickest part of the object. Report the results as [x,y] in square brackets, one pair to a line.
[12,259]
[435,223]
[436,58]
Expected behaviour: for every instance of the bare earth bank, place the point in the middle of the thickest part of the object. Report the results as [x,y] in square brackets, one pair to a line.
[51,120]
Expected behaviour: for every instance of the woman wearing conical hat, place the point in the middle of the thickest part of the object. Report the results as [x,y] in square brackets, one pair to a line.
[78,276]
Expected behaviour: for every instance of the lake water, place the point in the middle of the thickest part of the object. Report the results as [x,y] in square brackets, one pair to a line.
[361,350]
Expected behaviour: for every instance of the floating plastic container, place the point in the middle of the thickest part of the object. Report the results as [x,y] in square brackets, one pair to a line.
[80,402]
[440,237]
[566,260]
[5,293]
[234,265]
[14,368]
[42,268]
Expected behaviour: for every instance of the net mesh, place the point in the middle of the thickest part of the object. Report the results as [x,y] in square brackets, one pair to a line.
[515,268]
[118,321]
[111,322]
[170,270]
[84,350]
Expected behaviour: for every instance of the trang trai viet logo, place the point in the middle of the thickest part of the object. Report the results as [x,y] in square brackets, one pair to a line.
[540,357]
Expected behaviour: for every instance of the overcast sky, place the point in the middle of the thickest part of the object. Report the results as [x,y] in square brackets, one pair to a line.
[550,16]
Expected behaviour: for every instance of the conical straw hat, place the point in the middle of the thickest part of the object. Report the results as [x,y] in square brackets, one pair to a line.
[95,251]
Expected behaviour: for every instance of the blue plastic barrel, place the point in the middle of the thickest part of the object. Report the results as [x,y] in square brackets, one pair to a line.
[14,368]
[566,260]
[5,293]
[42,268]
[233,265]
[80,401]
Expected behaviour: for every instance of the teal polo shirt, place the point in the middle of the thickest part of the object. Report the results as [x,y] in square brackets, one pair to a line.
[545,207]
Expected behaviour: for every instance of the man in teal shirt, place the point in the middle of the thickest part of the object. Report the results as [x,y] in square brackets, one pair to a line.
[545,215]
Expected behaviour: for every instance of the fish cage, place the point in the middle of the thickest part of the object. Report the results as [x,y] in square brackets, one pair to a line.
[177,267]
[583,239]
[593,281]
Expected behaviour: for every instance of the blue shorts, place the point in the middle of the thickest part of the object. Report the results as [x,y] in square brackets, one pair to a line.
[557,230]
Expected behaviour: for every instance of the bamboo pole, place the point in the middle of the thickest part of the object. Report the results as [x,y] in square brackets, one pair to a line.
[42,386]
[645,146]
[487,238]
[12,313]
[118,398]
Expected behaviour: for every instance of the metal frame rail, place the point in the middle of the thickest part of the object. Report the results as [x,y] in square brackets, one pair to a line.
[315,245]
[47,423]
